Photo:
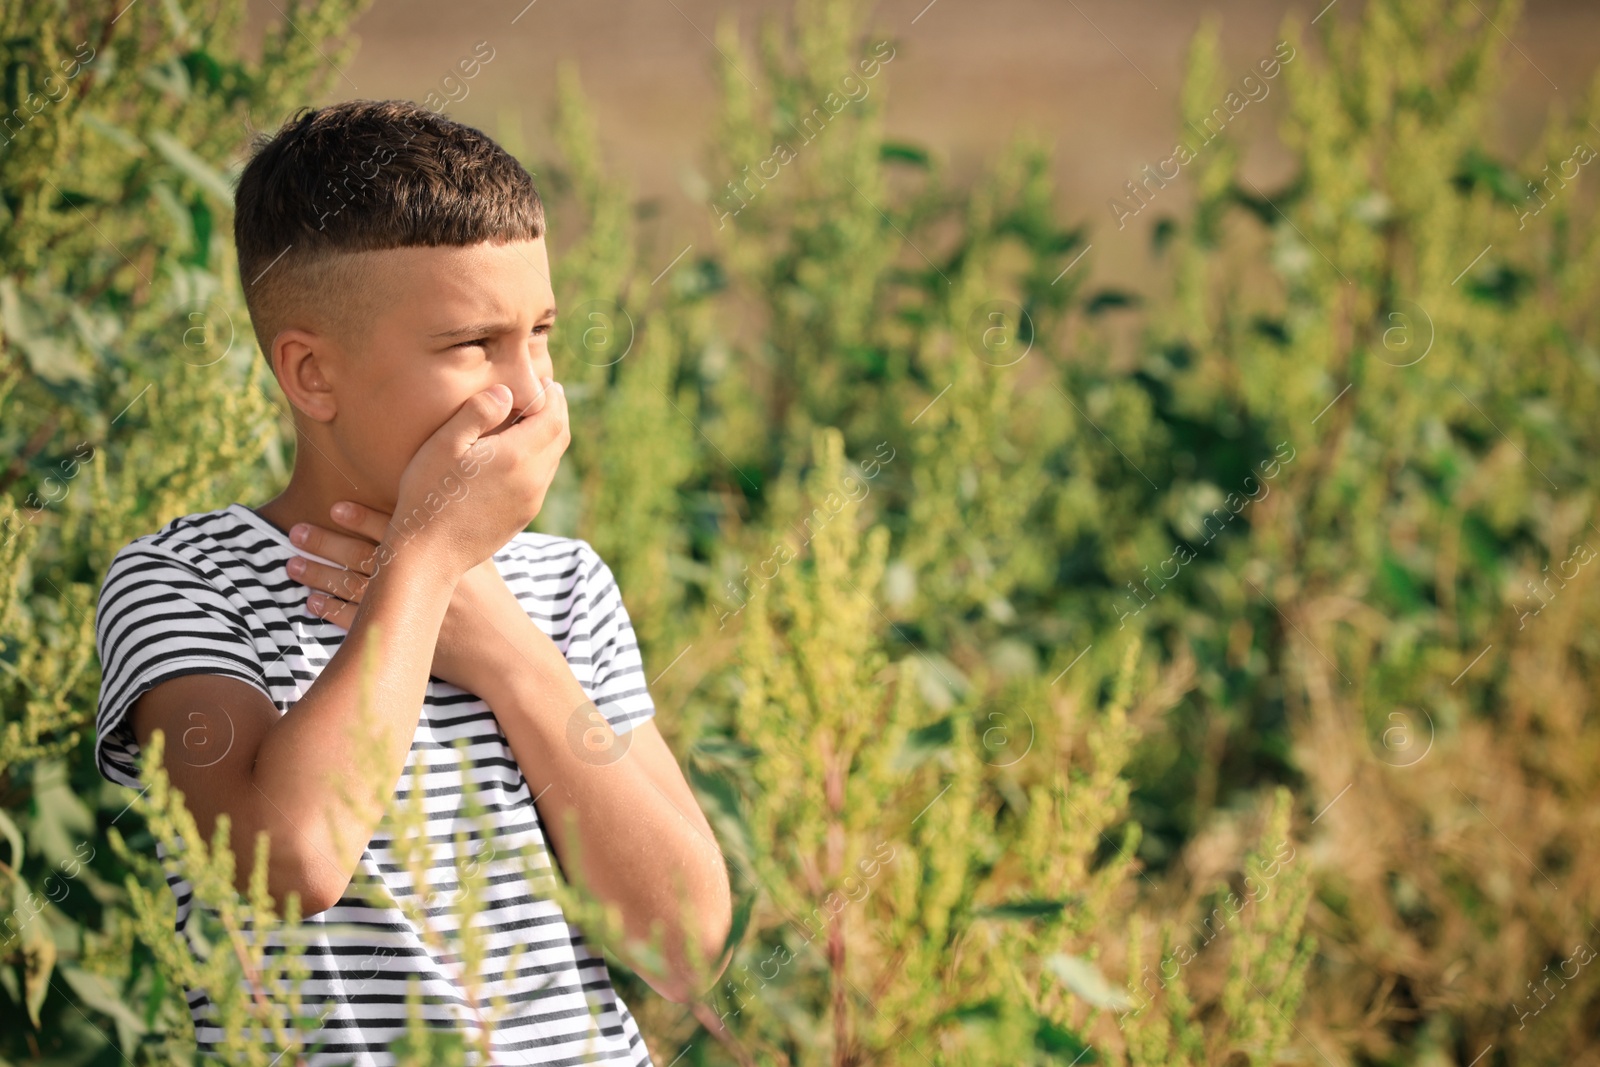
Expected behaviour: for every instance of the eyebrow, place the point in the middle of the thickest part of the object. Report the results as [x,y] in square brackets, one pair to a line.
[484,329]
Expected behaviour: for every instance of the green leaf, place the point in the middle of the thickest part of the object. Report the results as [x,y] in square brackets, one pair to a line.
[61,820]
[13,838]
[1024,909]
[192,166]
[50,356]
[1477,169]
[727,812]
[113,133]
[1398,587]
[158,992]
[96,992]
[978,1011]
[901,152]
[723,751]
[1086,982]
[924,742]
[872,360]
[1058,1041]
[720,788]
[1162,233]
[1107,299]
[741,920]
[38,960]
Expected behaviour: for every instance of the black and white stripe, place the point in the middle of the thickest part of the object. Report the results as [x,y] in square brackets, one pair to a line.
[208,594]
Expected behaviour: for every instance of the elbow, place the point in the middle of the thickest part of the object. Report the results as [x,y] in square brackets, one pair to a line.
[716,925]
[315,883]
[316,899]
[323,891]
[714,947]
[676,990]
[685,984]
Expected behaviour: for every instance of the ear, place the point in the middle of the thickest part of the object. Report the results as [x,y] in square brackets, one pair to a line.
[305,362]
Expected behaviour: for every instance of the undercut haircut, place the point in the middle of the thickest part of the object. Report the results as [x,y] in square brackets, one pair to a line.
[365,176]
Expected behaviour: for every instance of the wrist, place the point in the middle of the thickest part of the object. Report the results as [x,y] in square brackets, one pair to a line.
[412,534]
[417,571]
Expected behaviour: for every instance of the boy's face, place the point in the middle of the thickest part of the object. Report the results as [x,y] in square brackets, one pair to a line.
[445,323]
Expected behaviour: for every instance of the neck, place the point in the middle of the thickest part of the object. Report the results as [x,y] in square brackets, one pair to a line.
[308,498]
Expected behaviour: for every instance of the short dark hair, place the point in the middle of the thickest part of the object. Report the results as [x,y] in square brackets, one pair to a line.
[363,176]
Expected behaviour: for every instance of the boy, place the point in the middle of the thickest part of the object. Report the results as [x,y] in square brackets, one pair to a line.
[398,282]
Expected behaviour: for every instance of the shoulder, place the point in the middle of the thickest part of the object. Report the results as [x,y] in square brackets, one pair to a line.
[194,543]
[571,563]
[184,550]
[564,584]
[169,606]
[581,607]
[208,570]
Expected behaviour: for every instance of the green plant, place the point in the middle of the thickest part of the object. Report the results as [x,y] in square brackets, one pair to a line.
[869,552]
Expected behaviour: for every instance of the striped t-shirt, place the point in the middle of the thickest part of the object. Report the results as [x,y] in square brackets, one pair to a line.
[208,594]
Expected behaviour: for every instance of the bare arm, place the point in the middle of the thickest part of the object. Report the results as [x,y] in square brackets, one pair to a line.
[642,833]
[640,828]
[317,778]
[300,776]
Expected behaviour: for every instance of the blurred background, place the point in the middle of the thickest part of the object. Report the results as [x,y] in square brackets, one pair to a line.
[1121,474]
[1099,79]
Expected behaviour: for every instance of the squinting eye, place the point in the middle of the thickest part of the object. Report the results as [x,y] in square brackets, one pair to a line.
[542,329]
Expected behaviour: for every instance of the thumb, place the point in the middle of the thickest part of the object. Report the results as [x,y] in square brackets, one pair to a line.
[482,412]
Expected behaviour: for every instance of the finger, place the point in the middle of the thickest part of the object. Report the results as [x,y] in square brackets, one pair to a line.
[339,612]
[482,412]
[535,404]
[353,552]
[367,521]
[556,410]
[339,581]
[536,431]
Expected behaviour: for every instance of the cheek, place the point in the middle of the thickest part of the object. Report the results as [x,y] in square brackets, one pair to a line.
[395,413]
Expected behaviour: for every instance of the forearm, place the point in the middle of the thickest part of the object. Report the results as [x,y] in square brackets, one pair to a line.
[328,764]
[638,838]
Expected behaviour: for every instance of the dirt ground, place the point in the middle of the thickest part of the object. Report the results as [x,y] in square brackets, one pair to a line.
[1098,77]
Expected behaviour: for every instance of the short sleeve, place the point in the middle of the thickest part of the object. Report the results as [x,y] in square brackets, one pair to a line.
[159,618]
[618,690]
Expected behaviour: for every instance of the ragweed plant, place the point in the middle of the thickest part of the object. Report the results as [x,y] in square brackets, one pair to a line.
[1260,919]
[922,879]
[968,822]
[121,319]
[222,954]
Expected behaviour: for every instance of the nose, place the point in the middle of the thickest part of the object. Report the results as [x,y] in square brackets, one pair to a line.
[526,382]
[530,403]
